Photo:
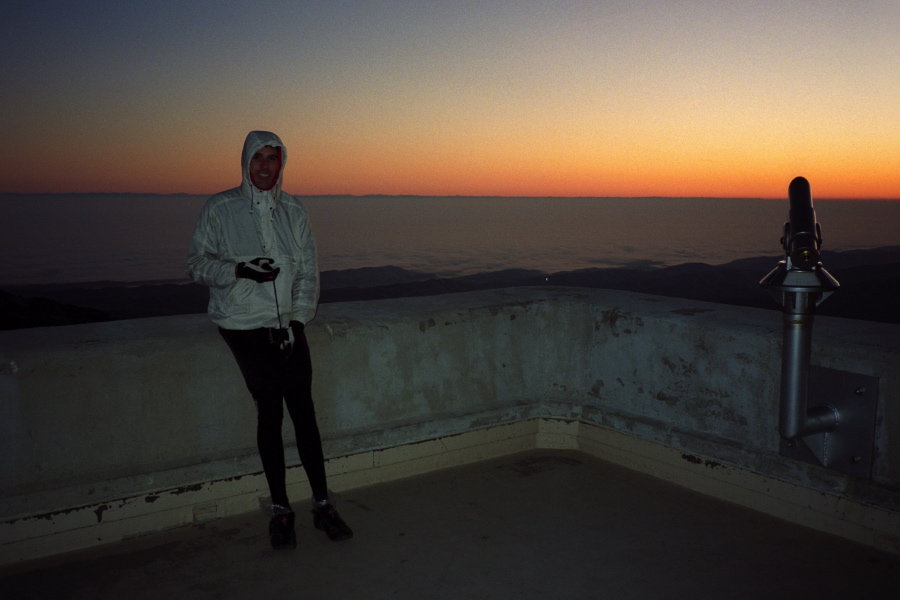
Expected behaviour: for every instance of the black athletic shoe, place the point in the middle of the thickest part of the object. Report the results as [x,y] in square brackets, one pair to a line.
[281,531]
[327,519]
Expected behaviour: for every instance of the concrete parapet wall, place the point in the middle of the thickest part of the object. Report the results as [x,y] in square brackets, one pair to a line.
[117,429]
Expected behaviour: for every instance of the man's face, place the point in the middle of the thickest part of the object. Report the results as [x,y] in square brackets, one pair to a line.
[264,167]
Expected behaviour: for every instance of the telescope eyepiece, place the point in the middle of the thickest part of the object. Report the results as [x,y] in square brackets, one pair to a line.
[805,259]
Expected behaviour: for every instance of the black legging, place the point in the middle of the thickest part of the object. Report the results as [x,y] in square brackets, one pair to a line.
[272,378]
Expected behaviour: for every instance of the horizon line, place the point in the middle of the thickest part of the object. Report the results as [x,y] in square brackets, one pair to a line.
[841,199]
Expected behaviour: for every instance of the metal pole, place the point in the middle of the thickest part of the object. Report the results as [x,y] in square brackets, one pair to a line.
[796,419]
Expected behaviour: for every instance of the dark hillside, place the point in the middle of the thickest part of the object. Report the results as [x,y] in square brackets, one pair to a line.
[870,289]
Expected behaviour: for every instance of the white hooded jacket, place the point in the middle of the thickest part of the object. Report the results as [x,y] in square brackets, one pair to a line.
[244,223]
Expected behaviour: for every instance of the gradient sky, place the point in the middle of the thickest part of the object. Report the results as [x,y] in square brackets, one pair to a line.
[457,97]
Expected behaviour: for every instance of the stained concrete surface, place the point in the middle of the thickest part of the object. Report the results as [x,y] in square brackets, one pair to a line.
[542,524]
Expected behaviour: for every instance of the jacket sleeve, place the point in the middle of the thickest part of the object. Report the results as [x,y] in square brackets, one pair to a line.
[305,292]
[205,263]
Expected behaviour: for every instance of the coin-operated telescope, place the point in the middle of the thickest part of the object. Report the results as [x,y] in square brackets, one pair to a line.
[823,412]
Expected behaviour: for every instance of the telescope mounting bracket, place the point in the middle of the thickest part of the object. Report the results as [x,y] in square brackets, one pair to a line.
[849,447]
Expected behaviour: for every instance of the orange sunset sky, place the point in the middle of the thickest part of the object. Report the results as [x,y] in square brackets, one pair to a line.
[482,98]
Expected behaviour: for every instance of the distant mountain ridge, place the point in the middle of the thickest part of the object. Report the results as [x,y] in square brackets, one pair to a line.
[870,288]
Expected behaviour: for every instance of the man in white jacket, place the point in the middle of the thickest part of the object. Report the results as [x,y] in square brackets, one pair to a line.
[254,248]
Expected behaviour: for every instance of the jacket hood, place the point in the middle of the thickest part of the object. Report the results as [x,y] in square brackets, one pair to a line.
[256,140]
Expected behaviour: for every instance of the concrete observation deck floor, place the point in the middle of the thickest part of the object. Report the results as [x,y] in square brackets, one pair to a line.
[540,524]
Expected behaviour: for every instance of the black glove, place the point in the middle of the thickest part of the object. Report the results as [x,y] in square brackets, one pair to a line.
[295,331]
[297,327]
[287,337]
[259,270]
